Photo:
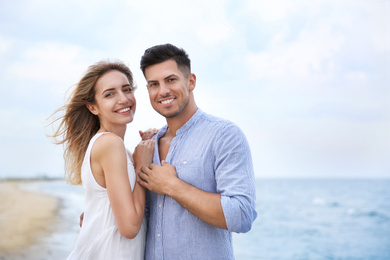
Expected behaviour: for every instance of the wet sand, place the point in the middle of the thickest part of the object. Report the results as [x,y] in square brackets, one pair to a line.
[25,219]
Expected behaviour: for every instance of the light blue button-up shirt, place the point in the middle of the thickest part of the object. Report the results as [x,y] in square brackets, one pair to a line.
[211,154]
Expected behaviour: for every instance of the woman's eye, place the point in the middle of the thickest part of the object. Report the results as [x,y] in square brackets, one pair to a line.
[108,95]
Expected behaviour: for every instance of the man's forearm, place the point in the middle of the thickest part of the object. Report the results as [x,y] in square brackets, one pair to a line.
[205,205]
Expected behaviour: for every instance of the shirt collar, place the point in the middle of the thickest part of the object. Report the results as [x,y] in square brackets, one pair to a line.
[185,127]
[190,122]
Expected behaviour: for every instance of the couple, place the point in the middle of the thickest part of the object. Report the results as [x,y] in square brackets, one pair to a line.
[193,179]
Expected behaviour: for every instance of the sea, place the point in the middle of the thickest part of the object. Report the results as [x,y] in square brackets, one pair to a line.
[298,219]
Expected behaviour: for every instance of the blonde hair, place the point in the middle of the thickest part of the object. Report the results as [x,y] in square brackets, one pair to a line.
[78,125]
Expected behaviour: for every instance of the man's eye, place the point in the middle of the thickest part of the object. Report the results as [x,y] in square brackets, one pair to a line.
[129,89]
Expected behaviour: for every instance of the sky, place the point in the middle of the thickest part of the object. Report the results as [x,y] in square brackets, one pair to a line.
[307,81]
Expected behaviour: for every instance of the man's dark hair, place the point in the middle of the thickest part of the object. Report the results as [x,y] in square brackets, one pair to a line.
[160,53]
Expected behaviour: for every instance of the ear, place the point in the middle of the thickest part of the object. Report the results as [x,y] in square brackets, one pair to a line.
[192,81]
[94,110]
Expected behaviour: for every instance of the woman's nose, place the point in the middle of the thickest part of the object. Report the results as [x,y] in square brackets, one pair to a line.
[123,98]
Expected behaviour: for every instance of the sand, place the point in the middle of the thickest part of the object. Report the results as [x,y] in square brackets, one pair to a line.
[25,218]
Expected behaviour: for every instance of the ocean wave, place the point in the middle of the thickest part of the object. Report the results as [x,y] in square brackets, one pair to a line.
[370,214]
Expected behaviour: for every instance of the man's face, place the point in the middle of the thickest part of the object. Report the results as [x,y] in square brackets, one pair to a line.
[169,88]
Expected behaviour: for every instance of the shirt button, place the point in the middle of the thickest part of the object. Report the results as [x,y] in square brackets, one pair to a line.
[185,162]
[160,206]
[158,235]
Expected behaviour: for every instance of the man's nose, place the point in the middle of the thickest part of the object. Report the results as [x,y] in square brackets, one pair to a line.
[164,89]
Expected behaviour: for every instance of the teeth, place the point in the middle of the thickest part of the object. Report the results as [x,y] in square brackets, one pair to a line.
[167,101]
[124,110]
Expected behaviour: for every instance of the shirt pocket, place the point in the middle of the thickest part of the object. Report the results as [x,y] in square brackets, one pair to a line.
[191,171]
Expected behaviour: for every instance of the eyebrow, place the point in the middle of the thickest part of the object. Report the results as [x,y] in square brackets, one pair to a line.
[111,89]
[172,75]
[167,77]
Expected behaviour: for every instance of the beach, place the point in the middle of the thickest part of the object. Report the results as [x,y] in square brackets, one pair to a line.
[26,217]
[298,220]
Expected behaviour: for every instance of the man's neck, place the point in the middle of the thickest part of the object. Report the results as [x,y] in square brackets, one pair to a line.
[175,123]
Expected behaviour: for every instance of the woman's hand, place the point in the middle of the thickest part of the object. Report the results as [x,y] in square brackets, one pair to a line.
[143,154]
[81,219]
[148,133]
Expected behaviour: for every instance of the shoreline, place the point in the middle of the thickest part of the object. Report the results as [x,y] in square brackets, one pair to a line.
[26,217]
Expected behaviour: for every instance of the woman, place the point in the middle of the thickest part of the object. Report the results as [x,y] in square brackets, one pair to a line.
[93,129]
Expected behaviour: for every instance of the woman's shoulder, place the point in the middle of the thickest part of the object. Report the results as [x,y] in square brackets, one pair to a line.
[108,142]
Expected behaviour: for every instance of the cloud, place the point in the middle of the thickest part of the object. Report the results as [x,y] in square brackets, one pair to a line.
[305,80]
[330,41]
[183,22]
[271,11]
[312,52]
[5,44]
[49,62]
[214,34]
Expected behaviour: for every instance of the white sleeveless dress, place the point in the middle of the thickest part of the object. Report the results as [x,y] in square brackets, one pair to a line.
[99,237]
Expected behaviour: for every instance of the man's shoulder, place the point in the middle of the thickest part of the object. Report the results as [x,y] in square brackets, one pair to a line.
[218,127]
[217,121]
[220,132]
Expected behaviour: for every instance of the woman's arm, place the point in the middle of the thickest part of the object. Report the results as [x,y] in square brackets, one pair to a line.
[128,207]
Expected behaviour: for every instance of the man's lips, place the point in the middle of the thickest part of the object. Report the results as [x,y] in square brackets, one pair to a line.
[166,101]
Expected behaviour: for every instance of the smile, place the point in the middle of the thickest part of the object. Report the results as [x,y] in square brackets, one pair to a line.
[164,102]
[123,110]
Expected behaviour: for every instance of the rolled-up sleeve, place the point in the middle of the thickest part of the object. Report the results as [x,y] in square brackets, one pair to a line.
[235,179]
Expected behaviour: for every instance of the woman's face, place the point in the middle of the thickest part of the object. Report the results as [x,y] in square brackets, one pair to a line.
[115,102]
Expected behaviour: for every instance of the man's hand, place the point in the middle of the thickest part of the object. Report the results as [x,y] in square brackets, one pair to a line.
[163,180]
[158,178]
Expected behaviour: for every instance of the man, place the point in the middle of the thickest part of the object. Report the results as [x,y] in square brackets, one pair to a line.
[201,186]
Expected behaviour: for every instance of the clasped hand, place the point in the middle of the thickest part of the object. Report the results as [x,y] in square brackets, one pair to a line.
[158,179]
[143,153]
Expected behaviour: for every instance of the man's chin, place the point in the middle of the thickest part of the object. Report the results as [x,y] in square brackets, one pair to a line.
[172,112]
[168,115]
